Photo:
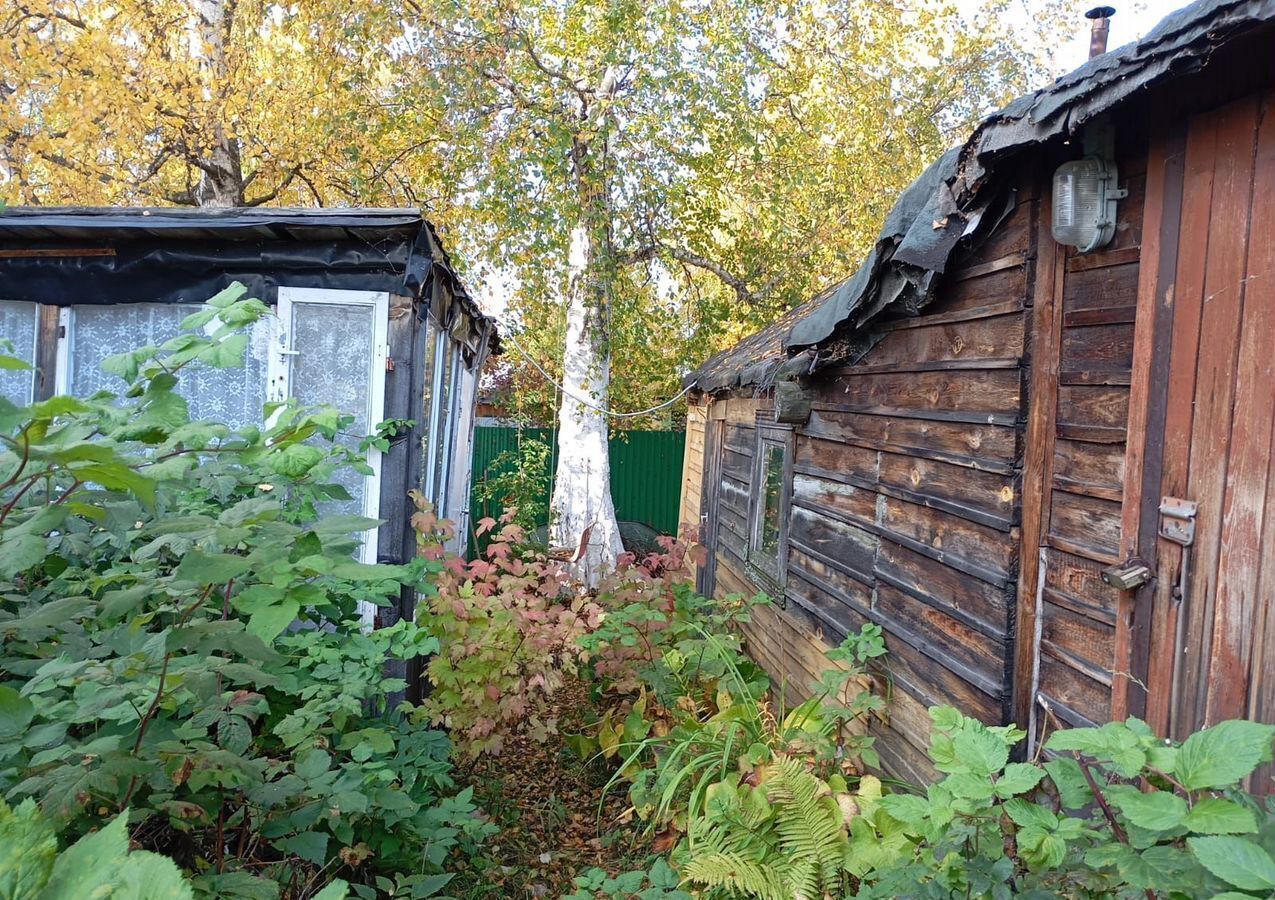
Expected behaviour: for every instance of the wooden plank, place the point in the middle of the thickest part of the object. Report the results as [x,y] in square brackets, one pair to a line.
[1009,261]
[854,548]
[1249,465]
[948,316]
[1103,259]
[984,497]
[1088,645]
[1063,683]
[1085,525]
[1013,233]
[974,602]
[963,545]
[992,291]
[1215,390]
[856,504]
[1110,315]
[46,351]
[1043,363]
[1095,348]
[1092,405]
[980,396]
[991,448]
[836,456]
[1109,287]
[1096,470]
[1187,296]
[967,342]
[1076,582]
[400,403]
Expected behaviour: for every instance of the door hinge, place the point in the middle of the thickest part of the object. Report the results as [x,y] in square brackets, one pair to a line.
[1177,520]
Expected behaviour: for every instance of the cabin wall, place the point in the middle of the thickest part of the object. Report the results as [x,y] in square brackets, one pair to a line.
[904,501]
[1083,329]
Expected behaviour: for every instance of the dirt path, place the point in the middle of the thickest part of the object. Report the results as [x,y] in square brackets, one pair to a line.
[546,801]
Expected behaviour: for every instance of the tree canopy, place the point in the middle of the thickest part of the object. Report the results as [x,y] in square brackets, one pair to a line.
[752,148]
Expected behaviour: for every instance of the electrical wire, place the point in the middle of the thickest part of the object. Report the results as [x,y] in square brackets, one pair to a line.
[606,412]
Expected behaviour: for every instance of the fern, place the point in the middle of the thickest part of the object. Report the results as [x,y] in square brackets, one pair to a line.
[809,824]
[797,849]
[738,875]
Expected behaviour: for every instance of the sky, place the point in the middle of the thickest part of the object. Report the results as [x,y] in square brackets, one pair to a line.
[1132,20]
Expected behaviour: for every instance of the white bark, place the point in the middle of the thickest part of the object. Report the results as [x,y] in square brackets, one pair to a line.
[582,493]
[222,183]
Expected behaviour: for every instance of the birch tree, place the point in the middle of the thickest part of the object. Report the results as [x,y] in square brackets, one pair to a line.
[718,157]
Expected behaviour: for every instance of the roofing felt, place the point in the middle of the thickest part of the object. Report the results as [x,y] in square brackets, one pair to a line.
[952,196]
[60,255]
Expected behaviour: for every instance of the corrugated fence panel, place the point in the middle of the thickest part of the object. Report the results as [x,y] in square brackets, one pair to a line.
[646,471]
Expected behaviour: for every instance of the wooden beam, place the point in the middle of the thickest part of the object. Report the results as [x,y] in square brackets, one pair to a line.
[1044,345]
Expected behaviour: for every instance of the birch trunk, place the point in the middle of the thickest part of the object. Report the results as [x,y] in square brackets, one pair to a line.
[582,502]
[221,183]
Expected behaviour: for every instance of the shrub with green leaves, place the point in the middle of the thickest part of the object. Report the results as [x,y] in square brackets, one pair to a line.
[180,638]
[1116,812]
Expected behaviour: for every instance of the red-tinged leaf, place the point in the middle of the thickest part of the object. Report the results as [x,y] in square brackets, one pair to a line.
[485,524]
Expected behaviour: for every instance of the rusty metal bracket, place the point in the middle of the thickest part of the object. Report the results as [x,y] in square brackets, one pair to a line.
[1177,520]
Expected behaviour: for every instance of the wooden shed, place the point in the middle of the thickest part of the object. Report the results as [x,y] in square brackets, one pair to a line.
[370,318]
[1047,473]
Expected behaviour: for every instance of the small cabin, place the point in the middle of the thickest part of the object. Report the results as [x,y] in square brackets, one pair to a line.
[1031,436]
[370,317]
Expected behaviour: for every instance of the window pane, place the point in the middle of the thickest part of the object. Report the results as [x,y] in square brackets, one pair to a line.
[231,396]
[18,323]
[334,345]
[772,493]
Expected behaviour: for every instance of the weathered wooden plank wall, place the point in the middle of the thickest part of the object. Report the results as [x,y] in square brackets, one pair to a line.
[1083,335]
[692,468]
[905,501]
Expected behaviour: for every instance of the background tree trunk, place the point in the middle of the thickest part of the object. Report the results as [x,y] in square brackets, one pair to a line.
[582,491]
[222,181]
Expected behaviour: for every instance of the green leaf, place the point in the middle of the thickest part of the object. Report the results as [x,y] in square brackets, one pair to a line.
[13,364]
[1236,861]
[296,460]
[337,890]
[227,353]
[90,868]
[1156,811]
[1024,812]
[982,752]
[210,568]
[312,846]
[20,552]
[1224,754]
[1073,789]
[16,713]
[27,850]
[228,295]
[1213,815]
[150,876]
[269,622]
[1018,778]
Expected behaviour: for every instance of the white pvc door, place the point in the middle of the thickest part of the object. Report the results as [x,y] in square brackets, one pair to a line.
[332,349]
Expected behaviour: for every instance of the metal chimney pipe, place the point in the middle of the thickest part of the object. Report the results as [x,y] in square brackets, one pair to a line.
[1101,16]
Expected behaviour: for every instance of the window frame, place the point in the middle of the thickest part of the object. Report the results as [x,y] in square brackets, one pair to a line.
[770,572]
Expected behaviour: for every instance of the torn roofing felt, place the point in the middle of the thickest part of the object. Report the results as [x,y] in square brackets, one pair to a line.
[955,194]
[85,255]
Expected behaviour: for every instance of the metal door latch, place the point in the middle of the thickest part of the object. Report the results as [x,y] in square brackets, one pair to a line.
[1128,575]
[1177,520]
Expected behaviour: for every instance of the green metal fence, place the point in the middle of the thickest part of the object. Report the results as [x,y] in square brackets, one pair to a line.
[646,471]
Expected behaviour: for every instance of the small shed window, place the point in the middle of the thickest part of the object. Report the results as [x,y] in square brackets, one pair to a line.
[19,323]
[772,474]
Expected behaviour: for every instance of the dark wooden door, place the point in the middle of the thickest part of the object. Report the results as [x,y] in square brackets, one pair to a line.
[706,578]
[1203,637]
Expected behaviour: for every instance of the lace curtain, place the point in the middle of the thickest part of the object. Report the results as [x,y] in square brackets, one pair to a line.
[334,347]
[233,396]
[19,322]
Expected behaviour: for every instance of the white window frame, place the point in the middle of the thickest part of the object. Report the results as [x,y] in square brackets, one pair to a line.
[279,384]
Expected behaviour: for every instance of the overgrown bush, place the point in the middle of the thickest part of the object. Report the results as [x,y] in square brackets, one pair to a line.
[182,640]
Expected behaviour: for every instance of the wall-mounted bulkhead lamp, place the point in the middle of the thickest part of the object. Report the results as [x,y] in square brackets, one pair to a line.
[1085,196]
